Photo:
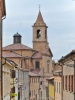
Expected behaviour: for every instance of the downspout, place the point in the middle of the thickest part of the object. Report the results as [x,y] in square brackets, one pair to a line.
[1,57]
[1,76]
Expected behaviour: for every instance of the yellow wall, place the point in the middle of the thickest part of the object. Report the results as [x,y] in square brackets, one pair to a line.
[51,91]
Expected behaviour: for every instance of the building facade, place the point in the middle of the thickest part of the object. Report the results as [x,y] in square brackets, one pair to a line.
[23,84]
[51,88]
[40,43]
[34,76]
[57,73]
[38,57]
[68,63]
[8,80]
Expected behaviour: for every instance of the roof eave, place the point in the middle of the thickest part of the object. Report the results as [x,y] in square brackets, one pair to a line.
[3,9]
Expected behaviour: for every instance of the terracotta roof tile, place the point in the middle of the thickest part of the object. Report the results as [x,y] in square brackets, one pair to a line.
[11,54]
[17,46]
[11,62]
[14,54]
[36,72]
[37,55]
[46,52]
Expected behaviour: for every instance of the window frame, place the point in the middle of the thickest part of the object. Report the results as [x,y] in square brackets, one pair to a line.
[37,64]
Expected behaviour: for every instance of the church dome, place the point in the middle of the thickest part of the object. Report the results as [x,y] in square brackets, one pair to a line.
[17,34]
[17,38]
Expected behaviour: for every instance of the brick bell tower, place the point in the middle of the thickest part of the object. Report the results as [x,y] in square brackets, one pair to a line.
[40,42]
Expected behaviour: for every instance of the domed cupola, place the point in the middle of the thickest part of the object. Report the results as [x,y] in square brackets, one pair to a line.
[17,38]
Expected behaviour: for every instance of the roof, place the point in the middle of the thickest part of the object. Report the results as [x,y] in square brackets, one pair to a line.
[17,35]
[2,8]
[39,20]
[33,74]
[56,67]
[4,60]
[68,55]
[36,55]
[17,46]
[12,62]
[10,54]
[36,72]
[46,51]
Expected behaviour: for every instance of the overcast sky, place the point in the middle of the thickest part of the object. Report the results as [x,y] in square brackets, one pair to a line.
[59,15]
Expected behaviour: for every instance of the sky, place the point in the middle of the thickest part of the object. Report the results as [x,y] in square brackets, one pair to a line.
[59,16]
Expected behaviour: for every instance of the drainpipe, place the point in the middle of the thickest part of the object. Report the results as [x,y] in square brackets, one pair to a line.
[1,57]
[1,70]
[74,79]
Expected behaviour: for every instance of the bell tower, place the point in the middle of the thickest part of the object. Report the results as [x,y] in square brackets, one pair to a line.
[40,34]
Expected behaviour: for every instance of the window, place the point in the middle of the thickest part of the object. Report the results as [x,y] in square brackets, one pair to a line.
[30,93]
[55,86]
[36,79]
[13,90]
[47,67]
[41,94]
[32,80]
[59,87]
[69,82]
[12,73]
[38,33]
[65,82]
[47,92]
[45,34]
[34,92]
[37,65]
[48,62]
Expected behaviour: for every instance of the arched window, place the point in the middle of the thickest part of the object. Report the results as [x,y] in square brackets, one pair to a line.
[38,33]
